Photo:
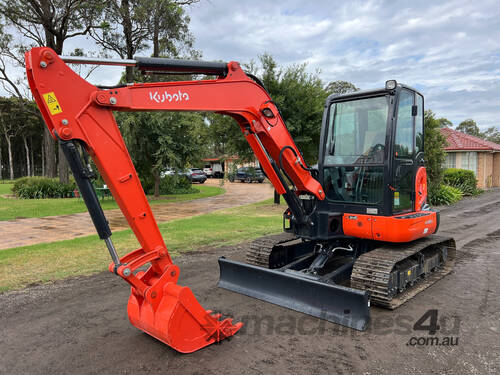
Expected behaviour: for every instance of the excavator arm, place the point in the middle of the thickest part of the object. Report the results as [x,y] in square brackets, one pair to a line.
[80,114]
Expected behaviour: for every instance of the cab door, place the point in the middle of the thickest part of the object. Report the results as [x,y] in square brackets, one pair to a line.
[408,155]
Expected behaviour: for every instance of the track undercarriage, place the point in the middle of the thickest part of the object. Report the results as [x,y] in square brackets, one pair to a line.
[338,280]
[392,273]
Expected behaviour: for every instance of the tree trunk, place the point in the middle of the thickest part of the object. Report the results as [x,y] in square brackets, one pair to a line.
[26,148]
[127,33]
[56,43]
[43,162]
[11,161]
[50,155]
[157,183]
[31,157]
[63,168]
[1,165]
[276,197]
[156,30]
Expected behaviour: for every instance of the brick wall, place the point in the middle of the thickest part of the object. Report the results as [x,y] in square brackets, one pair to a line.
[480,170]
[485,178]
[496,169]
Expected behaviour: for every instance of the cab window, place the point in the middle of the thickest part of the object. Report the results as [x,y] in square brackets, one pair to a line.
[404,145]
[357,130]
[419,124]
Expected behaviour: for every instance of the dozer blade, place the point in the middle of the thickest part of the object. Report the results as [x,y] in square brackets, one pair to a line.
[178,319]
[335,303]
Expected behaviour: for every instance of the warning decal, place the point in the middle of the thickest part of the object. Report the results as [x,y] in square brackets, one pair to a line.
[52,103]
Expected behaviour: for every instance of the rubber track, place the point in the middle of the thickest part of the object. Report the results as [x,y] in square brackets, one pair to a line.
[371,271]
[261,248]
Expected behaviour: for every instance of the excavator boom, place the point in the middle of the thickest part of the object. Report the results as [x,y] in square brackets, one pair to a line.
[79,114]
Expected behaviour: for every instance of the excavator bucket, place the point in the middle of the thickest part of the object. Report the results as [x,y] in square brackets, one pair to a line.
[335,303]
[177,318]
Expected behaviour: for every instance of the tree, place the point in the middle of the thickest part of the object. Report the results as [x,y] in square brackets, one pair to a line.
[129,26]
[16,121]
[445,123]
[491,134]
[434,144]
[8,129]
[49,23]
[340,88]
[169,28]
[155,140]
[163,139]
[300,97]
[5,50]
[225,137]
[470,127]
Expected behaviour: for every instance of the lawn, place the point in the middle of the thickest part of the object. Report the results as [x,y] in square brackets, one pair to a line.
[11,208]
[40,263]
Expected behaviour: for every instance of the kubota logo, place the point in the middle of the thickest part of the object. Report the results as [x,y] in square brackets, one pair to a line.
[160,97]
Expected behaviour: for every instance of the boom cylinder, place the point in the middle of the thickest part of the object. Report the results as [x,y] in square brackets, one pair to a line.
[156,64]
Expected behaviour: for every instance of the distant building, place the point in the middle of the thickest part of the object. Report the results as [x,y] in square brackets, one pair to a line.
[478,155]
[224,164]
[220,165]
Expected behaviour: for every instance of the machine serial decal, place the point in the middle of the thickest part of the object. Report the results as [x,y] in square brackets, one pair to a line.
[159,97]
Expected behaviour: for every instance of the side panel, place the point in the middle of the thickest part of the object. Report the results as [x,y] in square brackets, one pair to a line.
[358,225]
[401,228]
[404,228]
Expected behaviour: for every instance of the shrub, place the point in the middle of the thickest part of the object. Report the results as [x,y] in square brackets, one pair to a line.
[42,187]
[443,195]
[170,184]
[176,184]
[148,184]
[462,179]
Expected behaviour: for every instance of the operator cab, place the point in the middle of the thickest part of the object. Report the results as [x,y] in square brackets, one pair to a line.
[371,149]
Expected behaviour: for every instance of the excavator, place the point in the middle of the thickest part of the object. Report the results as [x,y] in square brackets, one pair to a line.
[357,231]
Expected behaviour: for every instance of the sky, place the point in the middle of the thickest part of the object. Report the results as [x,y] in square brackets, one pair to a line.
[448,50]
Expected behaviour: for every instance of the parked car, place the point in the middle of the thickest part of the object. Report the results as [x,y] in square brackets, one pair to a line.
[167,172]
[196,175]
[214,170]
[208,172]
[247,174]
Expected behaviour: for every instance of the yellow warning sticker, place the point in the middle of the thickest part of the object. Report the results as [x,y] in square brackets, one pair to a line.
[52,103]
[409,272]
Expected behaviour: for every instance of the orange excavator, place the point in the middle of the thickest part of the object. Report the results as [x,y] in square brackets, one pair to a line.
[357,229]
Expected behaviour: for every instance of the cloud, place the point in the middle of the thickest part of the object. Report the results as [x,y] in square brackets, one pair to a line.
[449,50]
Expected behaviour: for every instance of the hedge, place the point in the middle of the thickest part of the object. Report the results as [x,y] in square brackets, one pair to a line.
[444,195]
[170,184]
[462,179]
[42,187]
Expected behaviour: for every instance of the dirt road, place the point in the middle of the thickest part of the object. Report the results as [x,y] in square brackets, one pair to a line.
[79,326]
[49,228]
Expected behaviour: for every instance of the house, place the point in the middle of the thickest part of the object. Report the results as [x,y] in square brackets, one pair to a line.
[220,165]
[478,155]
[223,164]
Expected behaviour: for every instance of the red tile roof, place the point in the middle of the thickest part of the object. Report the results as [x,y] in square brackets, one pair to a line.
[458,141]
[221,158]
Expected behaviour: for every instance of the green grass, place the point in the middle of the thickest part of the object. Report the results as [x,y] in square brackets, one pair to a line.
[22,208]
[41,263]
[5,188]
